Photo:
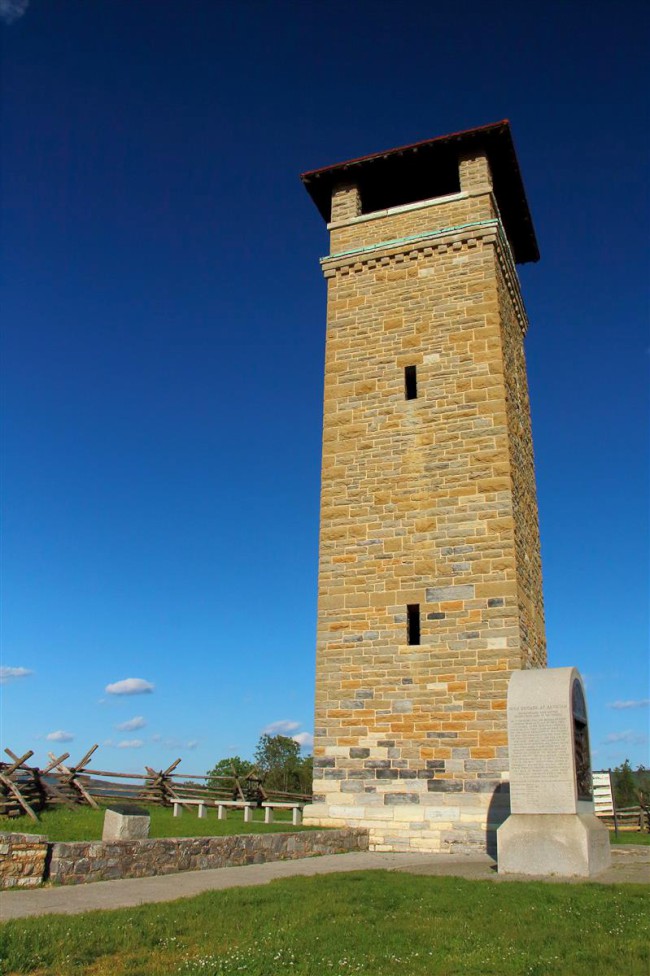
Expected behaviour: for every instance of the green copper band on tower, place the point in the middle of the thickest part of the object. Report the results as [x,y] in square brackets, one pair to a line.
[427,235]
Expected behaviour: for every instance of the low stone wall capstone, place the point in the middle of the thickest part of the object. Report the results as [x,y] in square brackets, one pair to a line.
[83,861]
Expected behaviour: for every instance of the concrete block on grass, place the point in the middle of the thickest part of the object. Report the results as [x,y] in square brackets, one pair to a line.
[126,822]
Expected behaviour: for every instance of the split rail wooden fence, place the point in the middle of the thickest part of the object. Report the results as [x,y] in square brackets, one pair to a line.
[635,818]
[27,790]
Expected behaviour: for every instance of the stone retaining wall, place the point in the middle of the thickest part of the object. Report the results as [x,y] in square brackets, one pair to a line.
[82,861]
[23,860]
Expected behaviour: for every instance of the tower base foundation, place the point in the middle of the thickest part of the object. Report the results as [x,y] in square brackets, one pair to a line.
[427,823]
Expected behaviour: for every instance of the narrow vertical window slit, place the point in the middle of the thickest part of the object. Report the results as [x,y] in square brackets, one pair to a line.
[410,382]
[413,623]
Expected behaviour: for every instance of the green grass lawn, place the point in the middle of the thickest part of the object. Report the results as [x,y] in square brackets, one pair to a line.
[84,823]
[629,837]
[374,923]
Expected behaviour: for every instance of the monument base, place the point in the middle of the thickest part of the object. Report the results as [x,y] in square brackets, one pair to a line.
[564,844]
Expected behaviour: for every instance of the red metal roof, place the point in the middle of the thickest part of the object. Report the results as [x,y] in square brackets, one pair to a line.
[384,177]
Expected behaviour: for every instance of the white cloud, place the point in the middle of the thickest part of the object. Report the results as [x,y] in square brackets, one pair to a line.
[632,703]
[285,726]
[304,739]
[137,722]
[156,737]
[130,686]
[9,674]
[634,738]
[282,727]
[172,742]
[12,10]
[59,736]
[130,744]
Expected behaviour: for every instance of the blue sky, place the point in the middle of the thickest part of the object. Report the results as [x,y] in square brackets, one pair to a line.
[164,336]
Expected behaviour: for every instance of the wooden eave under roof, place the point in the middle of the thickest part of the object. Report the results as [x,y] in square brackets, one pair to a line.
[419,162]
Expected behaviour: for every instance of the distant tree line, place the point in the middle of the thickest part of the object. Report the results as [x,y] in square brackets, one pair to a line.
[631,786]
[278,762]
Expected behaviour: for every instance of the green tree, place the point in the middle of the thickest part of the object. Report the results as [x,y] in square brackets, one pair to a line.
[643,784]
[625,787]
[278,759]
[233,765]
[306,774]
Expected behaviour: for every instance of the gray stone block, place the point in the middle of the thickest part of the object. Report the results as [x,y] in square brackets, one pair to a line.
[444,786]
[126,823]
[463,591]
[482,785]
[403,707]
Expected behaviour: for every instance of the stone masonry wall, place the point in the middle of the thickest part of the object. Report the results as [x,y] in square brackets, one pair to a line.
[368,230]
[23,859]
[80,862]
[524,493]
[418,507]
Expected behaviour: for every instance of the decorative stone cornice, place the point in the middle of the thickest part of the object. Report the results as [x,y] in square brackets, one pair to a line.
[405,250]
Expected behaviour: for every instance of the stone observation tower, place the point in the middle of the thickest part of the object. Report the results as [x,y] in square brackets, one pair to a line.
[430,586]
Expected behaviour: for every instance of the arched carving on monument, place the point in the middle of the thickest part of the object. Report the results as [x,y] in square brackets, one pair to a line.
[581,742]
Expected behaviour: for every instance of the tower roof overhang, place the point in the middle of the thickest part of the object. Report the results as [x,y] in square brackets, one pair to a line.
[416,165]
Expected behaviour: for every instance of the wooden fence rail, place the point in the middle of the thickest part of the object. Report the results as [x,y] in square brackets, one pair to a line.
[628,819]
[27,789]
